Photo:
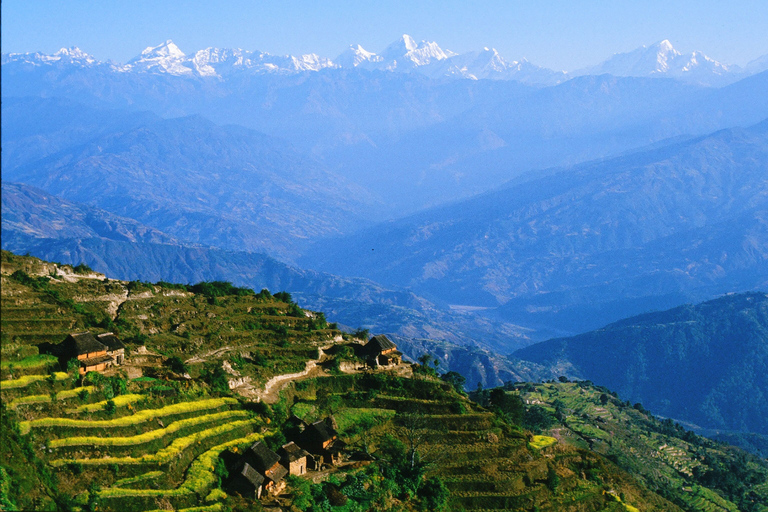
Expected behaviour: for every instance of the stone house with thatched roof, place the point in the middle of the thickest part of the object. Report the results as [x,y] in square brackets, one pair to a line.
[115,347]
[95,353]
[380,351]
[294,458]
[322,440]
[246,481]
[267,463]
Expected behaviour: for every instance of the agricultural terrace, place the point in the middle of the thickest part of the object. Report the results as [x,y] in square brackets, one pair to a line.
[145,435]
[659,451]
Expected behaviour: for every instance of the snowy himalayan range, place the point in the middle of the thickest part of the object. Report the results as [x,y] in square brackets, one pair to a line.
[406,55]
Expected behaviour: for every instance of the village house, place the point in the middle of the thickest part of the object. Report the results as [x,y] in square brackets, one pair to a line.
[380,351]
[115,347]
[322,441]
[266,463]
[247,481]
[294,458]
[95,353]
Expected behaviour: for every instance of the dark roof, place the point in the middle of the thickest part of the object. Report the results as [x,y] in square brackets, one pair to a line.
[276,473]
[323,431]
[261,457]
[292,452]
[93,361]
[111,341]
[254,477]
[83,343]
[379,344]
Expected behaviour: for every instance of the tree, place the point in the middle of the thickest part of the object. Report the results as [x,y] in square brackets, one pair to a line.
[553,480]
[177,365]
[456,380]
[507,405]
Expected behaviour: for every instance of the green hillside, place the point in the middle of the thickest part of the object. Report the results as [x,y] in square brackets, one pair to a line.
[161,431]
[694,472]
[706,364]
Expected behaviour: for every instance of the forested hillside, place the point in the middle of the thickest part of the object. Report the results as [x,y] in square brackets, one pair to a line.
[706,364]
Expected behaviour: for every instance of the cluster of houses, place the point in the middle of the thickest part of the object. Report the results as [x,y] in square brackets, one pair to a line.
[95,353]
[260,469]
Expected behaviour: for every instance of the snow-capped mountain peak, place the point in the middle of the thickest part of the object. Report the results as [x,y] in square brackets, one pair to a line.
[354,55]
[406,54]
[408,42]
[167,49]
[164,58]
[661,60]
[75,54]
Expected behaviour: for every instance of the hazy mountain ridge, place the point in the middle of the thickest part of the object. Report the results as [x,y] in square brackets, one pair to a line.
[46,226]
[606,230]
[706,364]
[224,186]
[447,138]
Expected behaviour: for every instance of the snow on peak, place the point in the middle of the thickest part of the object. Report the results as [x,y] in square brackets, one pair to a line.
[354,55]
[408,42]
[405,54]
[75,54]
[168,50]
[163,58]
[662,60]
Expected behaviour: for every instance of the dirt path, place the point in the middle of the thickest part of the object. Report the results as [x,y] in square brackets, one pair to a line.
[271,391]
[203,358]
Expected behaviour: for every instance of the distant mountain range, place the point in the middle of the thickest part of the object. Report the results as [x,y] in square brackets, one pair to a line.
[402,56]
[706,364]
[68,232]
[223,186]
[577,247]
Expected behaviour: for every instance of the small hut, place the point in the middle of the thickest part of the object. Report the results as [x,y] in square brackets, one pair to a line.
[321,440]
[294,458]
[380,351]
[247,481]
[267,463]
[91,353]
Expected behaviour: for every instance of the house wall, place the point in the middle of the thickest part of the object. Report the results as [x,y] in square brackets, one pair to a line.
[298,467]
[95,368]
[118,356]
[92,354]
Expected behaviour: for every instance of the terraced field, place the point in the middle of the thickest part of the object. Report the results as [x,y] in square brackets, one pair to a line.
[659,452]
[153,440]
[150,455]
[485,463]
[154,434]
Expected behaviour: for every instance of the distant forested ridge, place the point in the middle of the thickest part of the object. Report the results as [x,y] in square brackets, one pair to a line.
[706,363]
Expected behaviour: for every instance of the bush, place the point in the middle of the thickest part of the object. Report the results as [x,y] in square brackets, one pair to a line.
[82,268]
[434,494]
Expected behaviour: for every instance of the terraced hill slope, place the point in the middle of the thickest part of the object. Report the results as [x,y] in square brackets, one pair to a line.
[161,431]
[693,472]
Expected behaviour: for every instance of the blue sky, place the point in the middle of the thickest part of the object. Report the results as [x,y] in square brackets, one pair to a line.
[557,34]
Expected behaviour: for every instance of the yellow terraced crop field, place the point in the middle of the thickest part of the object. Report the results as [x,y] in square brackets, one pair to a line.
[134,419]
[147,436]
